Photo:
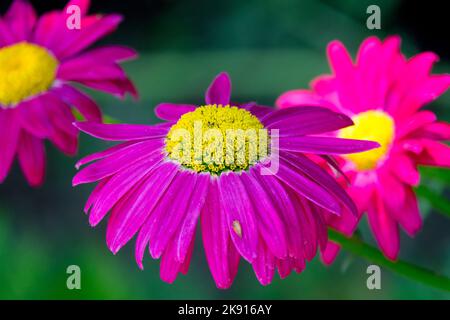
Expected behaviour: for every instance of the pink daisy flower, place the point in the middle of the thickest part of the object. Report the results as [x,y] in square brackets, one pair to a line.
[274,221]
[40,58]
[383,93]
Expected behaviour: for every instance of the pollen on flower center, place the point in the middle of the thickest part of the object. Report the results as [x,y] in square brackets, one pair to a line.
[26,70]
[371,125]
[216,138]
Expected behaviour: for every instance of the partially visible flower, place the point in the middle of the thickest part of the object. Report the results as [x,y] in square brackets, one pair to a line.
[383,93]
[158,186]
[40,58]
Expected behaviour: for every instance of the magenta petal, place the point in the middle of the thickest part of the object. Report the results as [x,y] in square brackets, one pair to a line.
[91,33]
[167,215]
[192,216]
[170,266]
[322,177]
[285,207]
[132,211]
[21,18]
[219,92]
[326,145]
[102,154]
[257,110]
[264,264]
[220,253]
[47,28]
[241,219]
[118,87]
[6,36]
[291,175]
[270,225]
[118,185]
[120,160]
[330,253]
[299,121]
[85,105]
[110,54]
[34,118]
[172,111]
[9,138]
[31,154]
[85,69]
[121,132]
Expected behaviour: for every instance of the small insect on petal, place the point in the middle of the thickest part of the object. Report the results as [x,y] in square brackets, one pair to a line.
[237,228]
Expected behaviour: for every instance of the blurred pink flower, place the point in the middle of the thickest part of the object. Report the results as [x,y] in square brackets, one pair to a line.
[272,221]
[383,93]
[40,58]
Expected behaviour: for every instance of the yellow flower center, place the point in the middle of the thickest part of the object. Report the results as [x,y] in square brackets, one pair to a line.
[370,125]
[216,138]
[26,70]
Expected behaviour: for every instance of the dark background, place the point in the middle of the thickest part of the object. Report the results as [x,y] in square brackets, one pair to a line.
[268,47]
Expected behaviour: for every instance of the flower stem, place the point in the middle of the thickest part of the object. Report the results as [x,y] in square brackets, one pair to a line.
[440,204]
[406,269]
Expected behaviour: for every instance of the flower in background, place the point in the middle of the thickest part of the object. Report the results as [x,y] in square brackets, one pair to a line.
[39,60]
[383,93]
[158,191]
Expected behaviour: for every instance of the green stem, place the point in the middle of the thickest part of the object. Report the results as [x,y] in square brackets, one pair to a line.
[403,268]
[440,204]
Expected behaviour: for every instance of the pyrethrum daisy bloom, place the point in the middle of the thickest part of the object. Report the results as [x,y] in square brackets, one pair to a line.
[158,184]
[383,93]
[40,58]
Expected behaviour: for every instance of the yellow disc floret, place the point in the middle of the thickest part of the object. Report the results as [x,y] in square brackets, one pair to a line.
[216,138]
[26,70]
[371,125]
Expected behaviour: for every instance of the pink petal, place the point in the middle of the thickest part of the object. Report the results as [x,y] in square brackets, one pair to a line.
[404,168]
[295,98]
[385,229]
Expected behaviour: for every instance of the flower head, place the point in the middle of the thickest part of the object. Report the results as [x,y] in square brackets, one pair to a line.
[40,58]
[383,93]
[218,163]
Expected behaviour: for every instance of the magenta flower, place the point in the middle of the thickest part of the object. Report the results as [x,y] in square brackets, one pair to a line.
[383,93]
[274,221]
[40,58]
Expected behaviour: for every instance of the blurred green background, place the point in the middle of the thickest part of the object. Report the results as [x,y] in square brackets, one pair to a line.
[268,47]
